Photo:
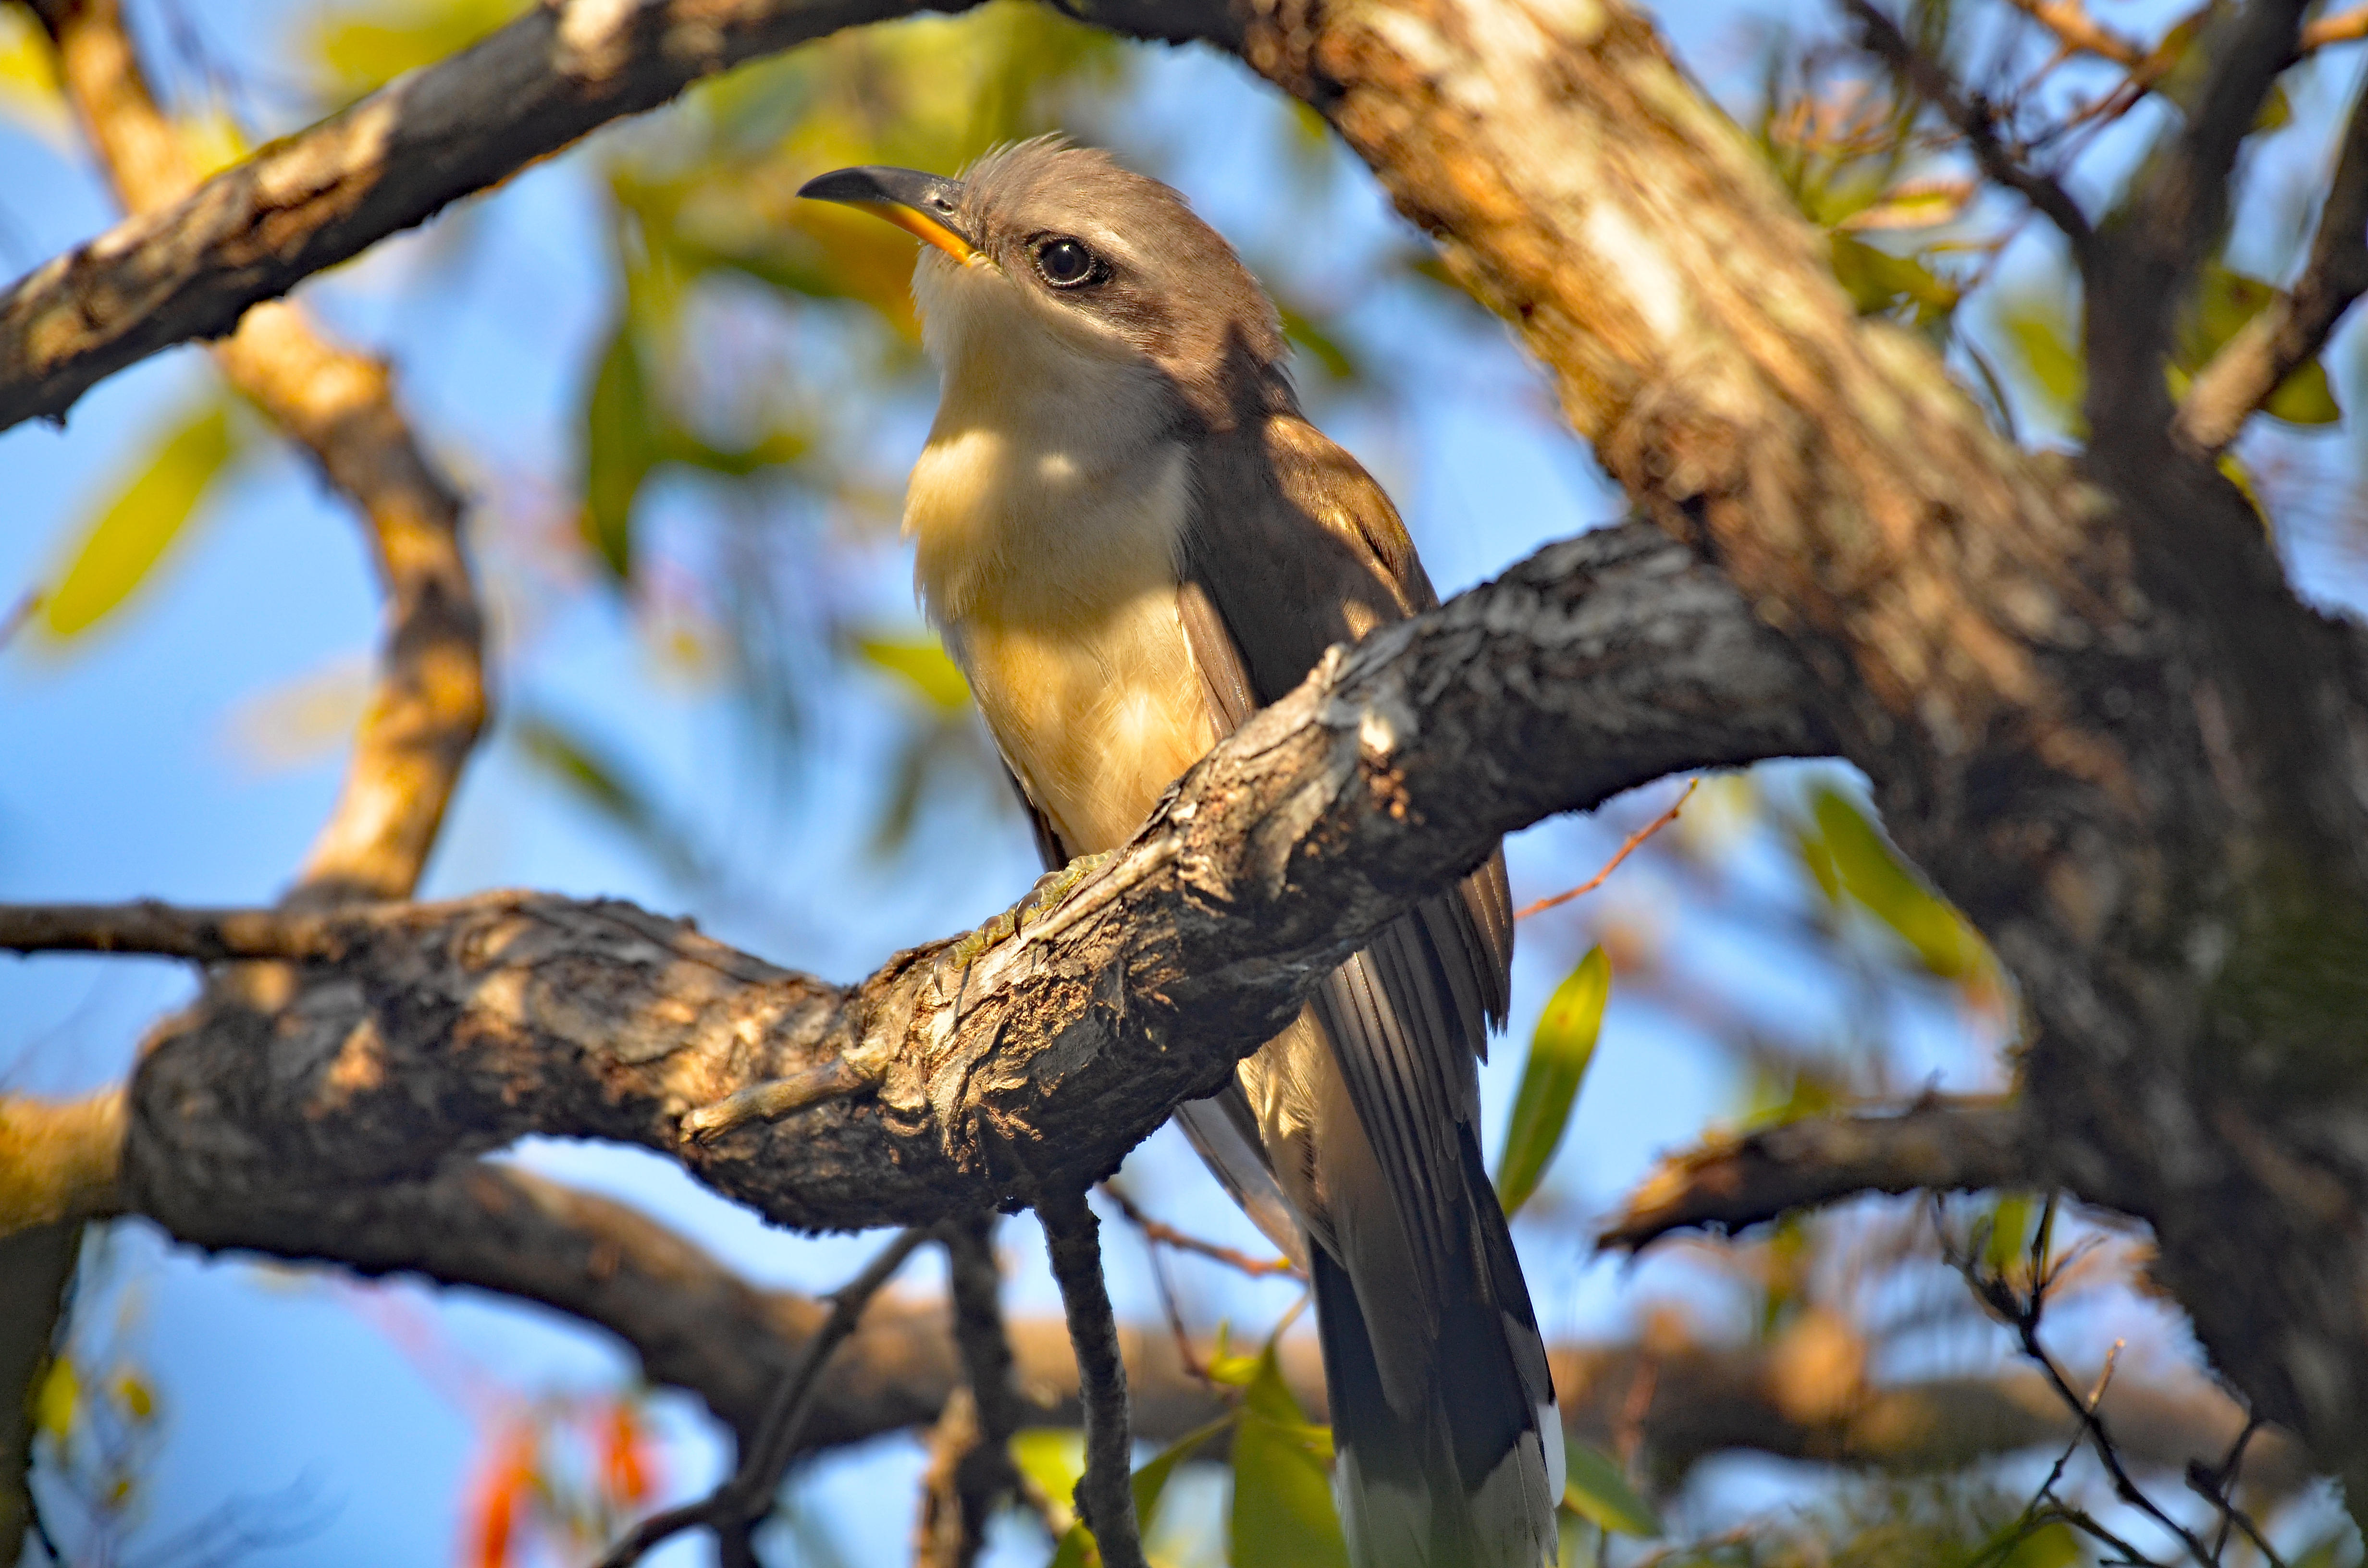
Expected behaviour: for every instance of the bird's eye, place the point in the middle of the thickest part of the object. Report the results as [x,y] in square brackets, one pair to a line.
[1065,264]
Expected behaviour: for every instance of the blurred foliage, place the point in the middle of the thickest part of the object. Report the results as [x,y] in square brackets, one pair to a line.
[1560,1048]
[358,47]
[130,533]
[560,1480]
[1597,1492]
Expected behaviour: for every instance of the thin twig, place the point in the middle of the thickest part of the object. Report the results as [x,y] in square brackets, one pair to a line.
[744,1496]
[2023,1310]
[1106,1492]
[970,1468]
[1168,1235]
[1626,849]
[1973,118]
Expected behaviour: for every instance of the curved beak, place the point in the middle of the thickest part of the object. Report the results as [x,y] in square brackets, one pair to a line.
[920,204]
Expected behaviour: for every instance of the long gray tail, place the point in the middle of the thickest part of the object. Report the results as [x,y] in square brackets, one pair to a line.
[1451,1449]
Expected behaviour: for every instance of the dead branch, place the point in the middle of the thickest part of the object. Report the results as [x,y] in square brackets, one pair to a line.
[1164,1234]
[2289,331]
[1628,847]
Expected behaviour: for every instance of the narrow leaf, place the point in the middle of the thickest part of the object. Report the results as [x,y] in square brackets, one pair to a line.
[131,534]
[1559,1052]
[1599,1492]
[621,444]
[1282,1513]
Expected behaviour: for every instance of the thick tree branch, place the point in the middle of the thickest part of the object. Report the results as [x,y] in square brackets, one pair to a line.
[1938,1146]
[2289,332]
[1002,1064]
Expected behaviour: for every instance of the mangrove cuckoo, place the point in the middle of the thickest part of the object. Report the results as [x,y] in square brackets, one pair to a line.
[1129,538]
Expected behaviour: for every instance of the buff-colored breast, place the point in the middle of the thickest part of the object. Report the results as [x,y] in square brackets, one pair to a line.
[1046,520]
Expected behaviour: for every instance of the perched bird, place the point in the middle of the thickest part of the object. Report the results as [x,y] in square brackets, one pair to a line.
[1129,538]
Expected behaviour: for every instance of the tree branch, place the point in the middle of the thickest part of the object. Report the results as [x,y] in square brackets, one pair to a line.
[1031,1056]
[2142,275]
[2289,332]
[429,700]
[1106,1491]
[1938,1145]
[970,1455]
[306,202]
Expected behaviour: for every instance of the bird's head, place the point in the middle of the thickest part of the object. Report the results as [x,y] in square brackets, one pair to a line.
[1044,249]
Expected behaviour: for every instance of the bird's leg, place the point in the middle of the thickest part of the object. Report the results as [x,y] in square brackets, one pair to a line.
[1050,890]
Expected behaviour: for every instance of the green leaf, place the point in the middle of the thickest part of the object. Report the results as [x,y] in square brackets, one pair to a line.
[1894,894]
[362,48]
[1596,1491]
[2224,301]
[1876,281]
[2046,346]
[1282,1514]
[132,531]
[1323,347]
[1559,1052]
[621,444]
[1053,1458]
[1077,1547]
[921,664]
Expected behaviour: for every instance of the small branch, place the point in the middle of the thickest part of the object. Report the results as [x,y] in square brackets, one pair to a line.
[2289,332]
[1626,849]
[2344,27]
[746,1496]
[1168,1235]
[1106,1492]
[60,1161]
[2022,1308]
[2143,271]
[428,704]
[201,935]
[2070,22]
[1971,116]
[1938,1145]
[969,1466]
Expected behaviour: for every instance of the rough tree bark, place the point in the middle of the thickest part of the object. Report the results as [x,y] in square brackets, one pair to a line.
[2090,708]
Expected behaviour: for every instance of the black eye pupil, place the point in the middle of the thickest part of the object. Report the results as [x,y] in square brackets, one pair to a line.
[1064,262]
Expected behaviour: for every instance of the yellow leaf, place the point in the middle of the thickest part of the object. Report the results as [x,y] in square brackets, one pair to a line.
[133,530]
[29,80]
[134,1394]
[58,1399]
[360,48]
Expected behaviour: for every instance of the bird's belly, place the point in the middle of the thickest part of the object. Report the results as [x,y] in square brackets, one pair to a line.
[1097,714]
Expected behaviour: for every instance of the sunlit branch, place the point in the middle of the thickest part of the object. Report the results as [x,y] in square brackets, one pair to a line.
[2290,330]
[428,702]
